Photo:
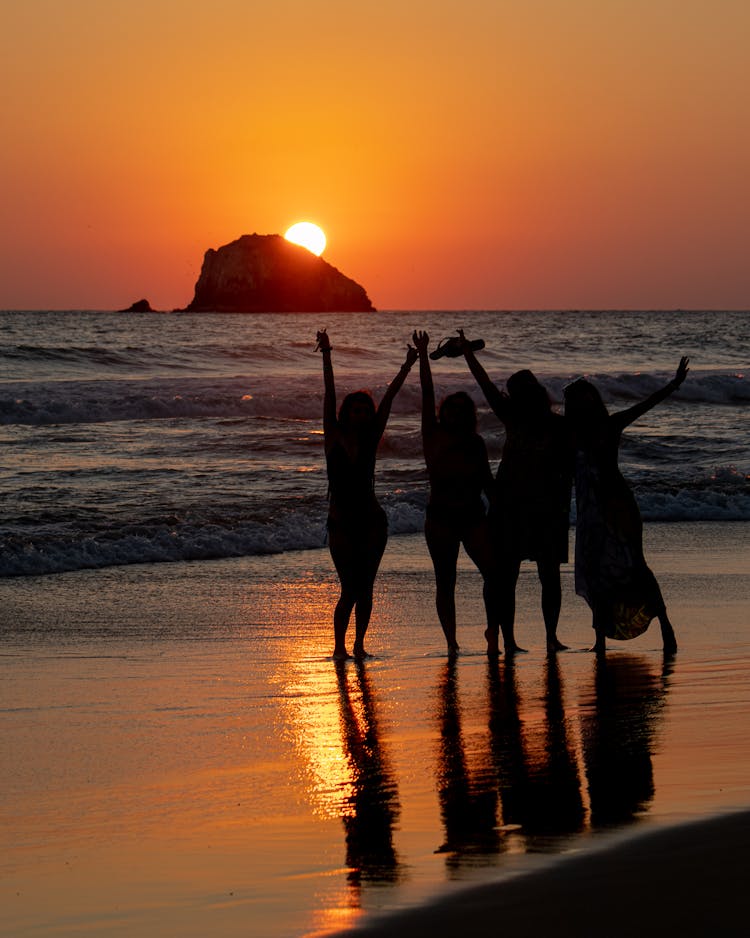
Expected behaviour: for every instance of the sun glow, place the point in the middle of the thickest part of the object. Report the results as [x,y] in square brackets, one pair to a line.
[308,235]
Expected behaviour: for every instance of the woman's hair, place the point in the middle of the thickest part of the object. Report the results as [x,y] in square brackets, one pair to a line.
[529,397]
[584,404]
[356,397]
[464,403]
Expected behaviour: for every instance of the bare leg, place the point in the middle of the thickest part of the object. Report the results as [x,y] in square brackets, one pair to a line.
[509,570]
[549,577]
[339,544]
[667,634]
[443,548]
[341,616]
[362,613]
[600,644]
[478,546]
[369,561]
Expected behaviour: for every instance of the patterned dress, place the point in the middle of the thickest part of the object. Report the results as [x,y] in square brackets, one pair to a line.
[611,572]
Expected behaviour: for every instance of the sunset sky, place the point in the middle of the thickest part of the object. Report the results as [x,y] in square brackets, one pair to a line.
[462,154]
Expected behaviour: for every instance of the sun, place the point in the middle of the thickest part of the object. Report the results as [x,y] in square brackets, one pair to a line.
[308,235]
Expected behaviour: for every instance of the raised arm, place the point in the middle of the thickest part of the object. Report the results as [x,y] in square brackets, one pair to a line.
[495,397]
[421,341]
[330,423]
[384,408]
[625,417]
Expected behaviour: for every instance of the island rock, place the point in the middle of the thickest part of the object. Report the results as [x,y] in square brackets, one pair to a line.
[268,274]
[140,306]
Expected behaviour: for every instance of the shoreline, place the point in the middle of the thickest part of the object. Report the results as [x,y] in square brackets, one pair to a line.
[187,758]
[687,879]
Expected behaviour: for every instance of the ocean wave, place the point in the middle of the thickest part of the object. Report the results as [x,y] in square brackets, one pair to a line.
[293,397]
[58,550]
[699,388]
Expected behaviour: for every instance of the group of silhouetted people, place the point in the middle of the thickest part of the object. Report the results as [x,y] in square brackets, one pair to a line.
[529,501]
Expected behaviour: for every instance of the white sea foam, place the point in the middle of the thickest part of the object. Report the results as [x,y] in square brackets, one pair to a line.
[58,548]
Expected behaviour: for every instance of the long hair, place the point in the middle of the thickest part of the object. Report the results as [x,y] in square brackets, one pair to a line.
[584,406]
[463,403]
[528,396]
[356,397]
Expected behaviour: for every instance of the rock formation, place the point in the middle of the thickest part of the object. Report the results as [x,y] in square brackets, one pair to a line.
[140,306]
[266,273]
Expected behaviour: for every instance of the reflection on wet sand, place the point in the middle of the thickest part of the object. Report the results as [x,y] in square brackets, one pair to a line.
[347,776]
[550,801]
[525,789]
[468,805]
[371,806]
[518,768]
[618,730]
[526,784]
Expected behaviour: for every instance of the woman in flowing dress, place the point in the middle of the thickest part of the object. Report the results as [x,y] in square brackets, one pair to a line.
[357,525]
[611,572]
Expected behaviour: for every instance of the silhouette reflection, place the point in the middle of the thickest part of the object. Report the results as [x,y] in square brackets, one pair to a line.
[618,730]
[371,807]
[468,806]
[525,787]
[507,742]
[555,804]
[537,772]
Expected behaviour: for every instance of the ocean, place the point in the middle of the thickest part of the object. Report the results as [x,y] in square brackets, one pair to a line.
[149,438]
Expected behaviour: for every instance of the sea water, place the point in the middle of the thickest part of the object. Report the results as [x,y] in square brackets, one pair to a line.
[145,438]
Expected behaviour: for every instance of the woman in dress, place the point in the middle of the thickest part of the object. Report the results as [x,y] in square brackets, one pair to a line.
[530,517]
[610,570]
[357,525]
[459,473]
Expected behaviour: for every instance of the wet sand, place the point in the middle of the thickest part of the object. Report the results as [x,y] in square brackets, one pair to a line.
[179,755]
[689,880]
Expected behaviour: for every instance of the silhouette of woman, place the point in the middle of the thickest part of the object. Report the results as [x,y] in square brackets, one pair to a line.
[357,525]
[459,472]
[530,516]
[610,570]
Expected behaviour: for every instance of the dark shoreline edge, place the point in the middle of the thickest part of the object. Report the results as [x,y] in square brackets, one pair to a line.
[688,879]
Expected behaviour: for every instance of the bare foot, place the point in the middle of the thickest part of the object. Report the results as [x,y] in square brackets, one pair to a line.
[359,651]
[340,654]
[513,649]
[554,644]
[453,649]
[493,649]
[670,647]
[667,634]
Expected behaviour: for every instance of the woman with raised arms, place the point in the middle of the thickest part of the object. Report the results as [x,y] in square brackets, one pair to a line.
[611,572]
[357,525]
[530,516]
[459,473]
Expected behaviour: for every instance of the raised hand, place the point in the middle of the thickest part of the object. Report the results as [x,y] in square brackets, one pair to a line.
[324,343]
[411,355]
[682,370]
[421,340]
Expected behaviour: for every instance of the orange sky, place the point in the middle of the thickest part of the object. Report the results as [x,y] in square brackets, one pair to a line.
[462,154]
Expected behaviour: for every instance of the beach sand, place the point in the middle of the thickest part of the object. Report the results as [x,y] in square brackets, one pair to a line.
[180,756]
[689,880]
